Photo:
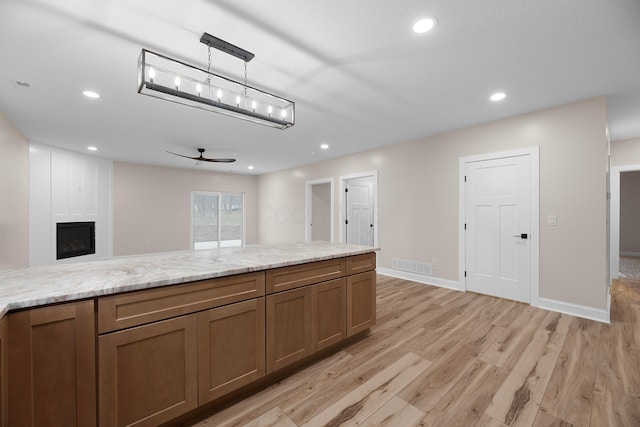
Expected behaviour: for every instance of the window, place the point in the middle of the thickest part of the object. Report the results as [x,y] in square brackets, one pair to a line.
[217,220]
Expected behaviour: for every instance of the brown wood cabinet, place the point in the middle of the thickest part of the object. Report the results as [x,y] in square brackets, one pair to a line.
[288,327]
[164,352]
[321,310]
[361,302]
[329,313]
[3,373]
[231,348]
[51,352]
[148,374]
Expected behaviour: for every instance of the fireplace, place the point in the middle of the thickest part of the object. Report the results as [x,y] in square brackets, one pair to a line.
[75,239]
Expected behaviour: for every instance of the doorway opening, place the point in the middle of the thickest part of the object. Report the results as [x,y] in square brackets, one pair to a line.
[319,210]
[618,247]
[359,208]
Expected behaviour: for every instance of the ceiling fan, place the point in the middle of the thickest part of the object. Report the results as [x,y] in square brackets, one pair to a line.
[201,158]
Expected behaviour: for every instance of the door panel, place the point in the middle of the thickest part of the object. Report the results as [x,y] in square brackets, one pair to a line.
[359,197]
[498,214]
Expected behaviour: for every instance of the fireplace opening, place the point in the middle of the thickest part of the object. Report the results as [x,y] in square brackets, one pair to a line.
[75,239]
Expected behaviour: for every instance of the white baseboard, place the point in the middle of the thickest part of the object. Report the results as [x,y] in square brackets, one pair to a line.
[585,312]
[624,253]
[427,280]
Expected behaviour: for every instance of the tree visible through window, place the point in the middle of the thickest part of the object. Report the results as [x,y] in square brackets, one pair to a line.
[217,220]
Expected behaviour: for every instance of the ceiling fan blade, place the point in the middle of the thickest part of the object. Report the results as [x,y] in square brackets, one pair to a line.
[186,157]
[201,158]
[204,159]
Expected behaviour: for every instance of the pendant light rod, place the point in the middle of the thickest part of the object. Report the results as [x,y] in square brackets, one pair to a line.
[226,47]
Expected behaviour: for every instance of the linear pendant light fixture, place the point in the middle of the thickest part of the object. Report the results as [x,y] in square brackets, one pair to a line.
[172,80]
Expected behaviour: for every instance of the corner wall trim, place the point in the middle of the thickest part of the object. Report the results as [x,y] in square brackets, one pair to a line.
[599,315]
[427,280]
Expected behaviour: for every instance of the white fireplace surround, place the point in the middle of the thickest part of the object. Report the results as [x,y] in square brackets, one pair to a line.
[67,187]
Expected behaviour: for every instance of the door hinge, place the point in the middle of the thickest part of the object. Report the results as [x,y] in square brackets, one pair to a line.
[465,225]
[346,190]
[346,221]
[465,178]
[465,273]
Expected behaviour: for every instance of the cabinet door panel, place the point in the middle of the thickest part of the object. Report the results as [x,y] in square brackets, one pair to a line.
[230,348]
[329,313]
[52,357]
[148,374]
[361,302]
[288,327]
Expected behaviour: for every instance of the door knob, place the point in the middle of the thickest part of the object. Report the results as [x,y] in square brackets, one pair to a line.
[522,236]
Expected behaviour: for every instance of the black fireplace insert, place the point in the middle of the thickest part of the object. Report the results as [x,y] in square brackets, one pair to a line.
[75,239]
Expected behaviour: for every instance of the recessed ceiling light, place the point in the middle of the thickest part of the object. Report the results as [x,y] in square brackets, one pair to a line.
[324,146]
[498,96]
[92,148]
[250,167]
[424,25]
[91,94]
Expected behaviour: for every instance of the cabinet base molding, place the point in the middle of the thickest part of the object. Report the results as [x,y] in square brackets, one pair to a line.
[236,396]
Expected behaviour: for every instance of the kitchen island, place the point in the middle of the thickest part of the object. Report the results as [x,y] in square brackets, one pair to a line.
[154,339]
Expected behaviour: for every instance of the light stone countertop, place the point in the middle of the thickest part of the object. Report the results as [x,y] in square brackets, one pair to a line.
[31,287]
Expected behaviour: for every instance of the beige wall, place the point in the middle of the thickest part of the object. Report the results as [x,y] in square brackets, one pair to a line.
[152,205]
[625,152]
[630,212]
[14,196]
[418,196]
[321,215]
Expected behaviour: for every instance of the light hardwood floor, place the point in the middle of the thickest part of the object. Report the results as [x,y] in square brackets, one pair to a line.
[444,358]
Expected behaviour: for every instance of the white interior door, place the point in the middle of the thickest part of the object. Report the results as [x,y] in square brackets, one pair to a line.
[359,214]
[498,221]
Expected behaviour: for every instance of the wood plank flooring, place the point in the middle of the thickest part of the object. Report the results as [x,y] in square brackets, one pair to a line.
[438,357]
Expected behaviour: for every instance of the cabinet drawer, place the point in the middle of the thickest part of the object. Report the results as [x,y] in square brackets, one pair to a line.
[284,278]
[140,307]
[361,263]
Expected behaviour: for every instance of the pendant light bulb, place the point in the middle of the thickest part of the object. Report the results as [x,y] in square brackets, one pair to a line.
[177,81]
[199,89]
[219,94]
[152,74]
[254,105]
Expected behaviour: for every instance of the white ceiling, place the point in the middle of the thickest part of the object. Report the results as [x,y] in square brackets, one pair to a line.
[358,74]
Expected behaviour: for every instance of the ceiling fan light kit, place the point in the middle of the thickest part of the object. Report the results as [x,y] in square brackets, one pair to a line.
[166,78]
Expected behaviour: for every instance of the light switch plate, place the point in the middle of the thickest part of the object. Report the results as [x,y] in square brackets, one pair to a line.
[552,220]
